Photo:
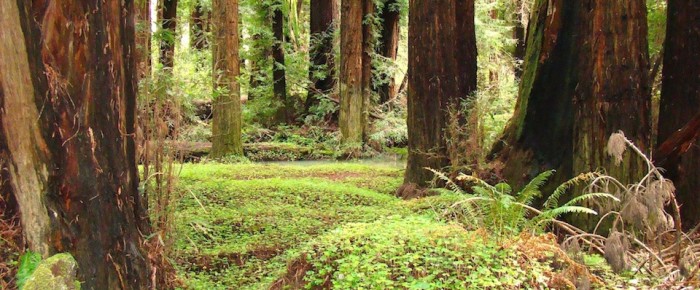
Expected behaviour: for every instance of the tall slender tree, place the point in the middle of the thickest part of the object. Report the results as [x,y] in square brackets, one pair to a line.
[324,14]
[169,29]
[279,71]
[226,127]
[680,101]
[368,14]
[584,79]
[389,46]
[351,90]
[67,106]
[199,22]
[442,72]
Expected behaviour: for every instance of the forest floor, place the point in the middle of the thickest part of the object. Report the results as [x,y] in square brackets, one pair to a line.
[260,226]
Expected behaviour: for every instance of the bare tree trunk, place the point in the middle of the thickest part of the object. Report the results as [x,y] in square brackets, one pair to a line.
[168,25]
[584,78]
[389,46]
[680,101]
[67,96]
[351,90]
[279,74]
[368,9]
[442,72]
[226,127]
[324,14]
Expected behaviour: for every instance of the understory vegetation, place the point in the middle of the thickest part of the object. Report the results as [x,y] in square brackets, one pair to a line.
[275,226]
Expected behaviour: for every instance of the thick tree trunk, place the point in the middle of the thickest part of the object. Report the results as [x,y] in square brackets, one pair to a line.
[389,46]
[680,101]
[279,73]
[143,37]
[169,26]
[198,24]
[442,72]
[67,95]
[226,127]
[351,93]
[324,13]
[584,79]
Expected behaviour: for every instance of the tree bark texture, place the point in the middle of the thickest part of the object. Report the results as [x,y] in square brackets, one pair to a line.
[368,10]
[680,101]
[226,128]
[67,106]
[169,26]
[279,73]
[442,72]
[389,46]
[584,79]
[351,93]
[324,14]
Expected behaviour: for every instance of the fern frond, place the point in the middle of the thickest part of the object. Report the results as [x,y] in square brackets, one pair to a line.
[478,181]
[556,212]
[589,196]
[553,200]
[451,184]
[532,189]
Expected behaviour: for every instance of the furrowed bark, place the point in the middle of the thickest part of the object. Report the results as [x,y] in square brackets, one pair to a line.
[226,128]
[68,80]
[441,75]
[351,93]
[680,102]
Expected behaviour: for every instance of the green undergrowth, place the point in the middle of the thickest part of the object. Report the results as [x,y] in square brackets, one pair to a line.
[310,225]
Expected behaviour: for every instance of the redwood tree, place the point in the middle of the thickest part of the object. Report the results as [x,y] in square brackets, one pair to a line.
[169,27]
[680,100]
[442,75]
[351,90]
[389,45]
[67,106]
[226,127]
[584,78]
[324,14]
[199,22]
[279,72]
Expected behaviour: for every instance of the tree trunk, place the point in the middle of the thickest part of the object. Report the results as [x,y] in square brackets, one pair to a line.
[279,74]
[519,34]
[169,26]
[584,79]
[389,46]
[442,72]
[351,93]
[226,127]
[368,9]
[680,100]
[143,37]
[198,36]
[322,69]
[67,96]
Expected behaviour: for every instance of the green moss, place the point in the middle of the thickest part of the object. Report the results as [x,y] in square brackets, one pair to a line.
[56,272]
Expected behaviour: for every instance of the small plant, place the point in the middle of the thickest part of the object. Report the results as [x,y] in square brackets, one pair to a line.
[497,209]
[27,264]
